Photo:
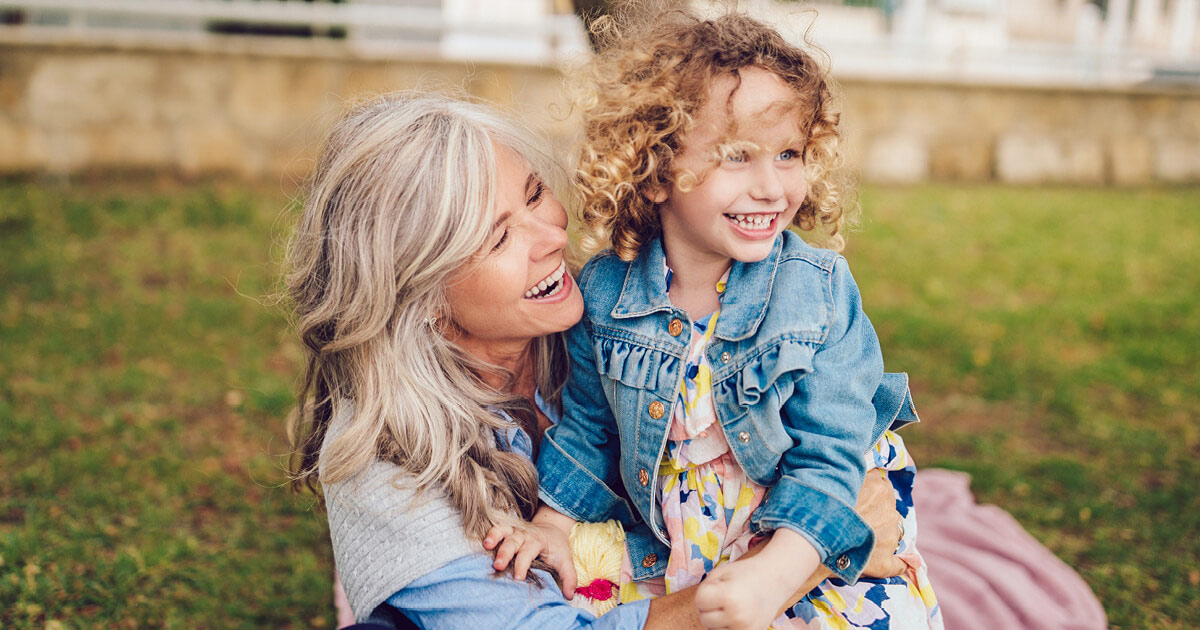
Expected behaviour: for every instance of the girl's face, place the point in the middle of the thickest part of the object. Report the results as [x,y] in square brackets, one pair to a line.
[520,288]
[747,151]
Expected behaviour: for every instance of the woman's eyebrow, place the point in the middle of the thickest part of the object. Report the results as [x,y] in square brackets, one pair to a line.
[530,182]
[504,217]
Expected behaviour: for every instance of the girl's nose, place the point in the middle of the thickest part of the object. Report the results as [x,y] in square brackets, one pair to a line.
[766,184]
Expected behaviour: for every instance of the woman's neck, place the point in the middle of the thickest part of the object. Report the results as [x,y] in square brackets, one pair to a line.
[516,358]
[694,282]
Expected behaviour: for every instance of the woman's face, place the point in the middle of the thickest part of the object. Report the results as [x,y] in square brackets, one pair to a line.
[519,288]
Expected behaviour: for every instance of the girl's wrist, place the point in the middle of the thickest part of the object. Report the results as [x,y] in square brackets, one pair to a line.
[791,556]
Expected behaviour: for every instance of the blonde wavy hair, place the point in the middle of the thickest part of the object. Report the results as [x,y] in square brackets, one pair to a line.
[638,96]
[401,200]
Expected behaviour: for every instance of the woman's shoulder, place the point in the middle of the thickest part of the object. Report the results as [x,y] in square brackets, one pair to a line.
[385,534]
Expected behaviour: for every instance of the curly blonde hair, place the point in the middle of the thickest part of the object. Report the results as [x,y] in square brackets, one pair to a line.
[638,97]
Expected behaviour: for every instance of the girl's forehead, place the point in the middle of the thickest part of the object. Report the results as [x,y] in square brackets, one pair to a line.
[753,105]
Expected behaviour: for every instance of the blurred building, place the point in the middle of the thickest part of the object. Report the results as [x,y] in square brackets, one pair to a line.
[1019,91]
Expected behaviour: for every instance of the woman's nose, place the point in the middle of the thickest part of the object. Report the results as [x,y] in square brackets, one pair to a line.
[550,235]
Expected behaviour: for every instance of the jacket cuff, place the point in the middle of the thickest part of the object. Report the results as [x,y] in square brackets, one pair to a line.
[893,404]
[647,554]
[842,539]
[568,487]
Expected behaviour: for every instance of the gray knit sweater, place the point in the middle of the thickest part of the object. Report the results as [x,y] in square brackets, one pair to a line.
[382,539]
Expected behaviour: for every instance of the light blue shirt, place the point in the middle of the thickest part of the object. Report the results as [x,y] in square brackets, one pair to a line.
[466,594]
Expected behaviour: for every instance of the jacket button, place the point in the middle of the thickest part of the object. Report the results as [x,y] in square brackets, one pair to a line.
[643,477]
[725,357]
[651,559]
[843,563]
[744,437]
[656,410]
[675,327]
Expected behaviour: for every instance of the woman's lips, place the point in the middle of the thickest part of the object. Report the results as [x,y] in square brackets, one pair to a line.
[549,283]
[557,292]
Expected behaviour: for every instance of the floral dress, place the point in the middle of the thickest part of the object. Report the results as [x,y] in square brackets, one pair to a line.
[707,499]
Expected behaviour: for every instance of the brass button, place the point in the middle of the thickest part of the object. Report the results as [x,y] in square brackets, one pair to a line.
[842,563]
[643,477]
[744,437]
[725,357]
[675,327]
[652,558]
[657,410]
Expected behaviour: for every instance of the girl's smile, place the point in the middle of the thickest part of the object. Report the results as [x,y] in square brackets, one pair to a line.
[745,151]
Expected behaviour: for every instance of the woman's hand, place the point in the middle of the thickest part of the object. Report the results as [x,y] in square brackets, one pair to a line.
[877,506]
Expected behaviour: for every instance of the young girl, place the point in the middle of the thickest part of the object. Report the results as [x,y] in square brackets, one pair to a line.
[724,374]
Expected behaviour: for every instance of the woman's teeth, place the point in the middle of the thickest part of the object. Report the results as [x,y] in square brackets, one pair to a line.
[753,221]
[550,285]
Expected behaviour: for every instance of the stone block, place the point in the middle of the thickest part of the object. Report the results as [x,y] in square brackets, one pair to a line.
[1083,162]
[127,145]
[966,158]
[897,159]
[78,91]
[1131,160]
[1178,160]
[1025,158]
[208,148]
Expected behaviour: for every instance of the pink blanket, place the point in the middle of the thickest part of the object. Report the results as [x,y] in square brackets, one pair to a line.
[988,572]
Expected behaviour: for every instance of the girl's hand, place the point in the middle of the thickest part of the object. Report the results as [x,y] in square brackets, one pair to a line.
[877,506]
[520,545]
[750,593]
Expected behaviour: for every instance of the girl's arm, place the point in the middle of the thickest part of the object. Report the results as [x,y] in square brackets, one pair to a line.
[578,459]
[831,419]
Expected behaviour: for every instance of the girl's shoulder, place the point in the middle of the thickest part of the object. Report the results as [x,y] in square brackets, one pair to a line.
[795,249]
[601,280]
[604,265]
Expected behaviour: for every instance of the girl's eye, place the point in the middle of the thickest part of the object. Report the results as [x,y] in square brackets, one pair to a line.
[788,154]
[736,157]
[539,189]
[502,241]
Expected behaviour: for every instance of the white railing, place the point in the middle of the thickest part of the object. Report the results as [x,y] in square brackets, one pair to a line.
[1067,43]
[526,33]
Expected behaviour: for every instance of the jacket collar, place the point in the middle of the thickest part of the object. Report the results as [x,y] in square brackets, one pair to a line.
[743,304]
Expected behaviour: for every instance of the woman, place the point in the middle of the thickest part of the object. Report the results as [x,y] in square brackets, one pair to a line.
[433,365]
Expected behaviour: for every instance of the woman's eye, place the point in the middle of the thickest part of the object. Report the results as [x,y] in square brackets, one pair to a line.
[788,154]
[539,190]
[502,241]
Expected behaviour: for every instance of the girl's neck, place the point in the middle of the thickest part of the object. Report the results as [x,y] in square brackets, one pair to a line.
[694,281]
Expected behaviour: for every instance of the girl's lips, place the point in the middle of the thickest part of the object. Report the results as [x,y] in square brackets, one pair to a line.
[568,285]
[755,234]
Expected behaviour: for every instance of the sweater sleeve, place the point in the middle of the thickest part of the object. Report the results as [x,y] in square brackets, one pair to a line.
[384,537]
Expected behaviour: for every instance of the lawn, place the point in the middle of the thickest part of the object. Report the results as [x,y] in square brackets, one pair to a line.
[145,374]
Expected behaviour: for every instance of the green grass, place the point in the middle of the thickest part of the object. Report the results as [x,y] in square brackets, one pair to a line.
[1051,335]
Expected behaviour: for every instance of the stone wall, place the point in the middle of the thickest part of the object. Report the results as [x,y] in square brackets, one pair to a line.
[256,109]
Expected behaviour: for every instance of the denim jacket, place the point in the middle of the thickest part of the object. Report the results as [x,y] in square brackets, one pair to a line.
[798,386]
